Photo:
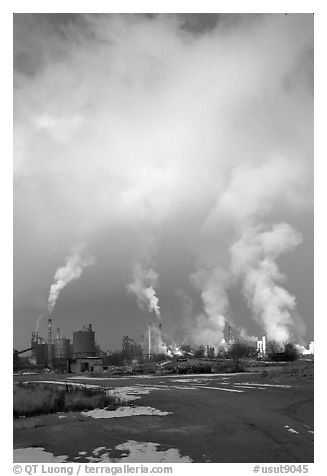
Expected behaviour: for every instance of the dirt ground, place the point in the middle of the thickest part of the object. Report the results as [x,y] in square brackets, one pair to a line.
[201,418]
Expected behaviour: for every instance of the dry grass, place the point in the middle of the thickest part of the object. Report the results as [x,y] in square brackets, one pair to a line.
[38,399]
[298,368]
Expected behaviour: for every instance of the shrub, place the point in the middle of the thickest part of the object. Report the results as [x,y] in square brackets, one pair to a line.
[37,399]
[291,352]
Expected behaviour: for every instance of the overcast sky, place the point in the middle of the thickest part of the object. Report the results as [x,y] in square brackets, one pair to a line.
[170,153]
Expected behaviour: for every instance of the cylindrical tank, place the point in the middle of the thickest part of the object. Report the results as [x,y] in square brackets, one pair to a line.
[84,342]
[41,352]
[61,348]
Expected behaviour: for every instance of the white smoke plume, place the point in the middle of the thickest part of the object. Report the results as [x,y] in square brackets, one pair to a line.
[302,350]
[254,260]
[208,328]
[143,287]
[160,346]
[76,261]
[37,324]
[174,349]
[245,336]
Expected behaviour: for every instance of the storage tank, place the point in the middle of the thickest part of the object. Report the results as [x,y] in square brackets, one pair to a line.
[62,348]
[41,354]
[84,342]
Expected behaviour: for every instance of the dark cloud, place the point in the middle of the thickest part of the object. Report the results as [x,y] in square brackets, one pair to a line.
[198,23]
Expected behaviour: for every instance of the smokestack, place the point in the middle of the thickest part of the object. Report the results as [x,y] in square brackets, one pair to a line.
[160,330]
[49,331]
[264,345]
[149,337]
[58,333]
[50,342]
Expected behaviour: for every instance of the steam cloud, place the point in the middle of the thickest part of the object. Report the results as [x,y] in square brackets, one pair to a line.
[254,260]
[75,263]
[209,327]
[143,287]
[37,324]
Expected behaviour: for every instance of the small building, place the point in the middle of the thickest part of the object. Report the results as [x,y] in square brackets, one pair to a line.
[312,348]
[262,347]
[86,364]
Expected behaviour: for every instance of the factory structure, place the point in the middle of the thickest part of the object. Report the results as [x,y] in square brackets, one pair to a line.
[59,353]
[80,355]
[83,355]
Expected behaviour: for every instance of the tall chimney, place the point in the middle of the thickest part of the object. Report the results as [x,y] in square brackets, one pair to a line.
[142,343]
[149,337]
[49,331]
[50,342]
[58,333]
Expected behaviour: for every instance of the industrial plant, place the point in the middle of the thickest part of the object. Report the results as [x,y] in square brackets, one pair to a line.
[82,354]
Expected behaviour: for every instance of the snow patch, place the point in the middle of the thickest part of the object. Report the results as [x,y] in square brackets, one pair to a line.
[147,452]
[58,382]
[262,384]
[36,455]
[124,412]
[141,452]
[183,387]
[244,386]
[142,376]
[96,451]
[223,389]
[291,430]
[190,380]
[128,394]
